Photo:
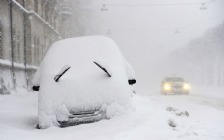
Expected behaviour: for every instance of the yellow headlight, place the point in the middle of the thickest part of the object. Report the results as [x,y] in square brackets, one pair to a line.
[186,86]
[167,87]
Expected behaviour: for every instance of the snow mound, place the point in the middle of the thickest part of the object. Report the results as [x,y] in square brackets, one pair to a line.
[81,74]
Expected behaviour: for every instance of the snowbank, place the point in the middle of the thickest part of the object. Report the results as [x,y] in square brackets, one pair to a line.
[150,120]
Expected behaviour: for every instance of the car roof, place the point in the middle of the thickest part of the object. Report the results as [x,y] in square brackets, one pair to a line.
[173,79]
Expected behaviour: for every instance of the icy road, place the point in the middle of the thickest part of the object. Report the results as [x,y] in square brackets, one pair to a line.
[198,116]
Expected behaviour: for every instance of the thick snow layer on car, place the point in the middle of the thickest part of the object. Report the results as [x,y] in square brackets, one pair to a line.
[97,74]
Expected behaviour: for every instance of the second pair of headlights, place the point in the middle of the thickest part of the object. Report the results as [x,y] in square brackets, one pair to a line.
[168,87]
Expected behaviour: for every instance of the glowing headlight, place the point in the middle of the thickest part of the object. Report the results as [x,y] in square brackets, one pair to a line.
[186,87]
[167,87]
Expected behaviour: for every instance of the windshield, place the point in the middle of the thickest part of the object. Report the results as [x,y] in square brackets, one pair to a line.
[173,79]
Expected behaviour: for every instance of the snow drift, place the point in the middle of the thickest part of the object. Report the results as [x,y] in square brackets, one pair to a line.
[81,74]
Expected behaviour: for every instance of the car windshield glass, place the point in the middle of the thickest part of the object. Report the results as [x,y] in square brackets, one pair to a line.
[174,79]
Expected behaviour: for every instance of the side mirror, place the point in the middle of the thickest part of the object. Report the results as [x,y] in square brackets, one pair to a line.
[131,81]
[36,88]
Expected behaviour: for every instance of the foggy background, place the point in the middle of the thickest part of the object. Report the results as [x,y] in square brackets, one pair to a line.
[160,37]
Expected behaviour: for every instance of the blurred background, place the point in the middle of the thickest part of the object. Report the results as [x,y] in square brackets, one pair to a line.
[158,37]
[161,37]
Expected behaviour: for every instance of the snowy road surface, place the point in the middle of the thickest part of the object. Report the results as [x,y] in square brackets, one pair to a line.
[156,117]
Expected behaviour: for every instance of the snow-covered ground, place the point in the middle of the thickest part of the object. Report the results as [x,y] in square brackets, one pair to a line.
[198,116]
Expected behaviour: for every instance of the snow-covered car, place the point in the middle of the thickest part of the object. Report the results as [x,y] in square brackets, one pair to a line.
[82,80]
[174,85]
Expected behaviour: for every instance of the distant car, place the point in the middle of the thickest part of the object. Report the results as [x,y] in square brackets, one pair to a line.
[174,85]
[82,80]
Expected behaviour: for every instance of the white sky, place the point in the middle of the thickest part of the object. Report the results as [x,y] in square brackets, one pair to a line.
[145,29]
[153,26]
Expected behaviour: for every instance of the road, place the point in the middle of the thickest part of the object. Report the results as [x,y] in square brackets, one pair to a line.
[157,117]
